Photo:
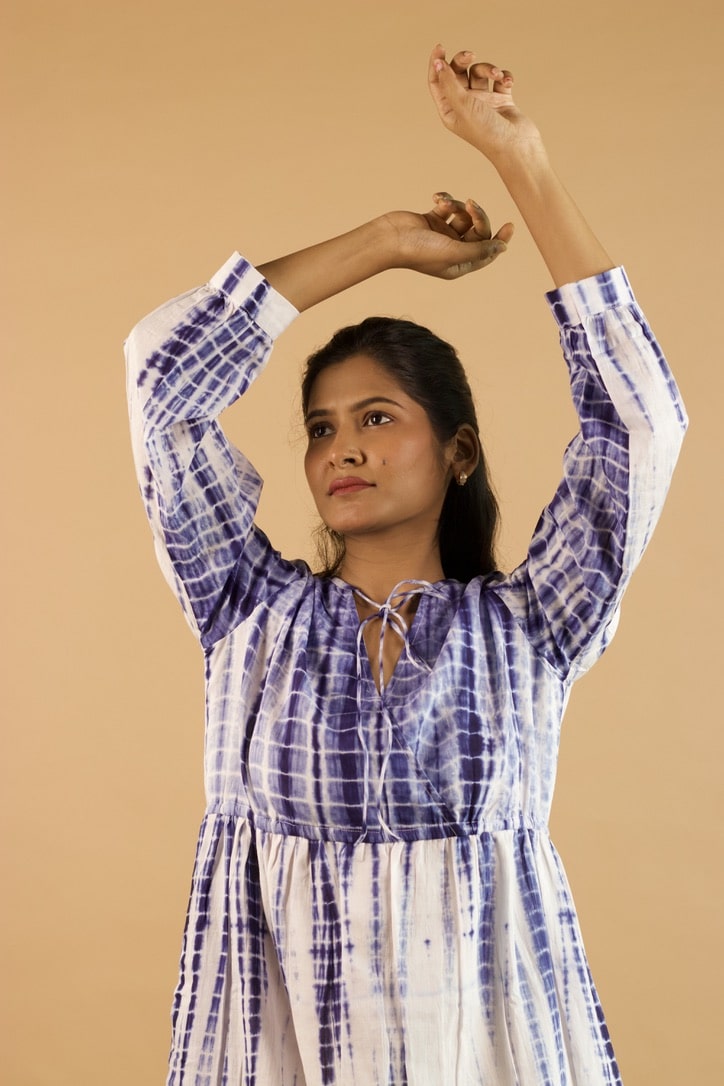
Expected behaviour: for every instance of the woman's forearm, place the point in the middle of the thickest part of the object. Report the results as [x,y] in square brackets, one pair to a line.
[311,275]
[566,242]
[424,243]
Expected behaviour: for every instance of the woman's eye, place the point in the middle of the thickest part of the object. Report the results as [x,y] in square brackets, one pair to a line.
[319,429]
[377,418]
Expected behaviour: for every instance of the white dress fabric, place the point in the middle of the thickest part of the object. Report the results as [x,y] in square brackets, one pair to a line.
[376,900]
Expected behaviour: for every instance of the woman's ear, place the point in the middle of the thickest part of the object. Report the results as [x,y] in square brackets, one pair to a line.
[464,452]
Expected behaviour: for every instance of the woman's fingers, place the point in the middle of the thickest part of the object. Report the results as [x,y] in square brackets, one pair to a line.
[481,74]
[475,102]
[454,212]
[506,83]
[437,57]
[505,233]
[481,223]
[450,83]
[482,232]
[468,219]
[467,223]
[461,62]
[477,255]
[447,87]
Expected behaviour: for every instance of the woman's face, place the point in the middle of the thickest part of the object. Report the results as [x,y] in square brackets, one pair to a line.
[373,462]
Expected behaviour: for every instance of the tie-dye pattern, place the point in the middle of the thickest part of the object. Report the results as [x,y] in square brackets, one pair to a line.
[376,901]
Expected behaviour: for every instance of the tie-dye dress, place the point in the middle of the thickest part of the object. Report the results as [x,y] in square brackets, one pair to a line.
[375,898]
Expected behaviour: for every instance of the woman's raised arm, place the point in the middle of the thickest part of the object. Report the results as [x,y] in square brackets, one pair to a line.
[451,240]
[475,102]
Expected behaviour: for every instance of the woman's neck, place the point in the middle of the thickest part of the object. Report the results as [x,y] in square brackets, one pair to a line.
[376,567]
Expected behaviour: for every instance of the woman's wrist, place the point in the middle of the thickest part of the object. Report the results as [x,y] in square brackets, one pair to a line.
[565,240]
[523,160]
[311,275]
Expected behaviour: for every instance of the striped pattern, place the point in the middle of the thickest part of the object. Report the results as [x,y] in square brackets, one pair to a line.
[376,901]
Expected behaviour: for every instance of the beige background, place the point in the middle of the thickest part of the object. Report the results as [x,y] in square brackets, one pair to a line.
[148,138]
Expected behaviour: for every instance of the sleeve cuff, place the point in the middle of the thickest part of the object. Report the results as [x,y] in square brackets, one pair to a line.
[248,289]
[574,302]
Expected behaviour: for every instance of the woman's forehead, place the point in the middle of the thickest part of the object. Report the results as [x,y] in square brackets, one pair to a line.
[357,378]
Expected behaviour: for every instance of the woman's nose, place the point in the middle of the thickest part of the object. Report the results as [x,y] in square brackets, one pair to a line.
[345,451]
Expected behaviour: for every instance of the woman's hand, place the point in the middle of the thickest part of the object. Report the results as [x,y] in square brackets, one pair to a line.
[475,101]
[455,238]
[449,241]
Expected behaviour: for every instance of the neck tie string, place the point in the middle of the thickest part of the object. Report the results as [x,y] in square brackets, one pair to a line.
[388,614]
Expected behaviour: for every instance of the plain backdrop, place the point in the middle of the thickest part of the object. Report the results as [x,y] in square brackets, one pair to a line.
[147,139]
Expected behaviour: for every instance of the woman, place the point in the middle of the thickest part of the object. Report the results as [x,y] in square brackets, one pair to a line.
[375,897]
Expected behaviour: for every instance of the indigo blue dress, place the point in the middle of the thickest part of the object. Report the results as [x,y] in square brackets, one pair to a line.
[376,900]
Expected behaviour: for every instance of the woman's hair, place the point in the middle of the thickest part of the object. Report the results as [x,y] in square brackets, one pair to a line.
[430,372]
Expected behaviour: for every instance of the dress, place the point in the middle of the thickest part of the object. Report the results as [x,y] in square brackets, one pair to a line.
[375,898]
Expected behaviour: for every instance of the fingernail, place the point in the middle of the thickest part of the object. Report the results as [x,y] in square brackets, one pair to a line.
[438,65]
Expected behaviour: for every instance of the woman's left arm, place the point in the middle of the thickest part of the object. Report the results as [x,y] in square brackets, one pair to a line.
[616,475]
[617,469]
[475,102]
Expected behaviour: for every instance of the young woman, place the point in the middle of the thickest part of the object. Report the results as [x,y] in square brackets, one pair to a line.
[375,898]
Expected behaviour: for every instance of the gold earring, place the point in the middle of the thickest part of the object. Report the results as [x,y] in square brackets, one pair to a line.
[462,479]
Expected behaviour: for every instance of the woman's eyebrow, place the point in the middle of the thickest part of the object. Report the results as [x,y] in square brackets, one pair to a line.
[319,411]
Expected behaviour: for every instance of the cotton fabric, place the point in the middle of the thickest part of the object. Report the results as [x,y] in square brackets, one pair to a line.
[376,900]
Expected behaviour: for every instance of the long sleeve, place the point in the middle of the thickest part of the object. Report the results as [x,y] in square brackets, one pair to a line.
[186,362]
[616,475]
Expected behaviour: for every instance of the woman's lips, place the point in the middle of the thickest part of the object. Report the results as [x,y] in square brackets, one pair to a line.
[349,485]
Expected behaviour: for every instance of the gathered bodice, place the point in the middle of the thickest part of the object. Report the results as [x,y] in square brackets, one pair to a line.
[446,746]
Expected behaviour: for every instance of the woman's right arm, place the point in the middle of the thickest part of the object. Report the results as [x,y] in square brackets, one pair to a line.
[186,362]
[194,356]
[446,243]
